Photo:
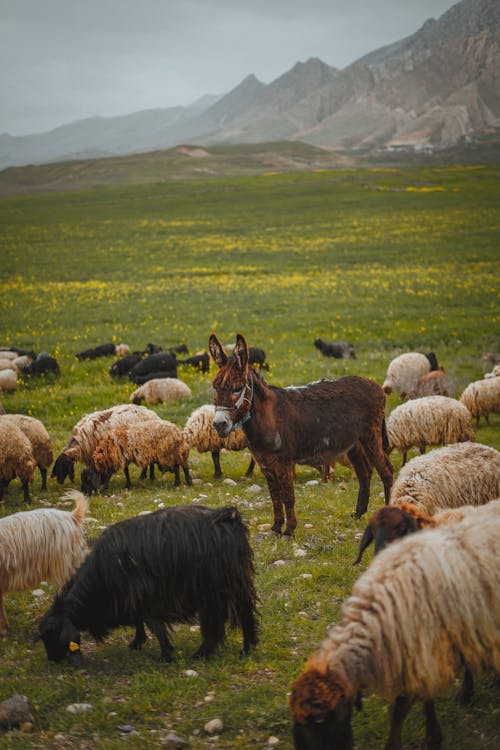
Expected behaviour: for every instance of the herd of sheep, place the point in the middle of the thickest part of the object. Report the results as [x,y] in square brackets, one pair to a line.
[425,609]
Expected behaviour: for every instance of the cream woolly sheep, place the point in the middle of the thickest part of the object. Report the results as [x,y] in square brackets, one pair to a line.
[495,373]
[425,608]
[39,438]
[40,544]
[16,458]
[461,474]
[8,380]
[144,444]
[405,370]
[158,390]
[434,383]
[482,397]
[8,364]
[90,429]
[431,420]
[200,434]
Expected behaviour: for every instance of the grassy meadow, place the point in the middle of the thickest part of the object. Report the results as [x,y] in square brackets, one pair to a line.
[391,260]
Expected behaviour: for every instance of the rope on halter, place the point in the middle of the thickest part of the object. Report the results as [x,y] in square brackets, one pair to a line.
[240,401]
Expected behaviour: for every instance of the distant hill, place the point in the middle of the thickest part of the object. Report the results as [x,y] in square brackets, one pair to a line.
[428,91]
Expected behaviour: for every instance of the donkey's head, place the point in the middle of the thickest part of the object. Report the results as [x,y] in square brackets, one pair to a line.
[233,386]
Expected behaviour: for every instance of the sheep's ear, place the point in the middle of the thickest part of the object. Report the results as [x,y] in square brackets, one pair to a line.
[365,542]
[219,356]
[241,351]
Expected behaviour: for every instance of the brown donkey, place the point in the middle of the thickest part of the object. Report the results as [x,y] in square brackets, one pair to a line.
[309,424]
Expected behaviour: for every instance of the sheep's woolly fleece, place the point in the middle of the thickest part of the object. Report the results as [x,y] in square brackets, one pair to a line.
[482,397]
[159,390]
[37,434]
[16,454]
[449,477]
[423,609]
[432,420]
[404,371]
[92,427]
[200,433]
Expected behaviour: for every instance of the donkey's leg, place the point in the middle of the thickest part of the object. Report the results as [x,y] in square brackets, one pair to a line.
[363,469]
[374,450]
[279,476]
[217,468]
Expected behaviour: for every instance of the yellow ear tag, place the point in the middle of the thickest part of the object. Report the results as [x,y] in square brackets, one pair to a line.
[73,646]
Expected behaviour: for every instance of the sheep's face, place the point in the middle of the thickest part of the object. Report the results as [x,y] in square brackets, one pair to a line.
[322,713]
[63,467]
[334,732]
[61,639]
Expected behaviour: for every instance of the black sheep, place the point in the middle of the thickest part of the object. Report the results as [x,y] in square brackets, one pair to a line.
[42,365]
[103,350]
[337,349]
[141,379]
[160,362]
[171,566]
[123,365]
[198,361]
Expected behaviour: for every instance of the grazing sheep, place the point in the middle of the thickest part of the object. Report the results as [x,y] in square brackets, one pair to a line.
[23,361]
[405,370]
[102,350]
[434,383]
[12,352]
[201,434]
[482,397]
[156,375]
[159,390]
[39,438]
[42,365]
[337,349]
[160,569]
[121,350]
[425,608]
[199,361]
[431,420]
[8,380]
[16,458]
[495,373]
[40,544]
[256,356]
[89,430]
[143,444]
[8,364]
[161,362]
[123,366]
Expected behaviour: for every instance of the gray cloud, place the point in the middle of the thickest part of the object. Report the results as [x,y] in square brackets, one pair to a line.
[64,59]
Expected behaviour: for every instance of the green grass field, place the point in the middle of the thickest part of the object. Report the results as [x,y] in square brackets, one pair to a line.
[392,260]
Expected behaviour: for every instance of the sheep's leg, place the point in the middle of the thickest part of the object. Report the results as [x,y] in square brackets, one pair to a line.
[128,483]
[43,473]
[152,470]
[422,450]
[363,470]
[187,475]
[4,623]
[467,688]
[144,473]
[397,714]
[158,628]
[404,457]
[251,467]
[279,477]
[26,492]
[433,735]
[3,487]
[139,638]
[216,460]
[249,624]
[177,475]
[212,629]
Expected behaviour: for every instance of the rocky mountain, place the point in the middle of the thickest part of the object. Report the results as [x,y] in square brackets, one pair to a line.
[429,90]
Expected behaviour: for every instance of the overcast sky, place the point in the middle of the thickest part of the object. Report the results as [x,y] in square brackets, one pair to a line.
[62,60]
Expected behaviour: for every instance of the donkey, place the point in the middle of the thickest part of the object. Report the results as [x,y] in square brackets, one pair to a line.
[309,424]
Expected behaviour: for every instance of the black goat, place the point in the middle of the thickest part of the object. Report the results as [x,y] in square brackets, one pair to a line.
[102,350]
[337,349]
[122,366]
[42,365]
[198,361]
[160,362]
[160,569]
[432,361]
[63,467]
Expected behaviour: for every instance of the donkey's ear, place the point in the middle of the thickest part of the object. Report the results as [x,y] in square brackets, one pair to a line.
[241,351]
[219,356]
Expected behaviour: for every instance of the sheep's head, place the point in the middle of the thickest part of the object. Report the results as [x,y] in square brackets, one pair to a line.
[60,638]
[321,712]
[63,467]
[391,523]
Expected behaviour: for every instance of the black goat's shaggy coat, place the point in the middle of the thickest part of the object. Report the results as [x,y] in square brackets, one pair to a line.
[167,567]
[102,350]
[163,361]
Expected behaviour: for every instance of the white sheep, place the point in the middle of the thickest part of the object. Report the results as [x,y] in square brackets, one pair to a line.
[90,429]
[462,474]
[425,608]
[495,373]
[39,438]
[482,397]
[159,390]
[404,371]
[144,444]
[431,420]
[16,458]
[122,349]
[200,434]
[8,364]
[42,544]
[8,380]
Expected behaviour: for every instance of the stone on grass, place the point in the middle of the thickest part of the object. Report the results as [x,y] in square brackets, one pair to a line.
[214,726]
[172,741]
[79,708]
[15,712]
